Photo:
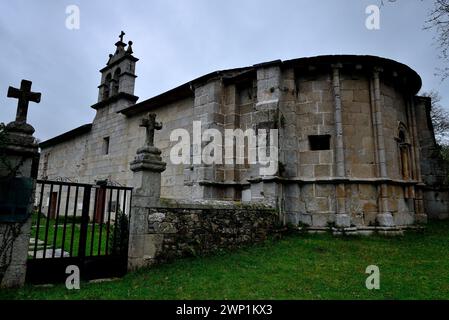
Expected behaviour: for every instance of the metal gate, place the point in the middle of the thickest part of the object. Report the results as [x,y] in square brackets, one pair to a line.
[81,225]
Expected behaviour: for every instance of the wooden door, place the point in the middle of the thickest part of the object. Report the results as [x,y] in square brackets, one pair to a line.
[52,205]
[100,205]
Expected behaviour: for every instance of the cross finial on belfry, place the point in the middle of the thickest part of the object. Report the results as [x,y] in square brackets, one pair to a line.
[24,95]
[150,124]
[122,34]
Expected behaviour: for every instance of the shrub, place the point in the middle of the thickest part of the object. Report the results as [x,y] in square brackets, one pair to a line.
[119,232]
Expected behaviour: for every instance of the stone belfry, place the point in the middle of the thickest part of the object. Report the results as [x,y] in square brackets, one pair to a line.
[118,76]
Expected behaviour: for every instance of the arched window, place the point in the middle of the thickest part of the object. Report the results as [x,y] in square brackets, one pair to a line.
[402,136]
[116,81]
[404,152]
[107,86]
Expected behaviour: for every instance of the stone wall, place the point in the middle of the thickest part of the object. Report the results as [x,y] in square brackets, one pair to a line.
[14,242]
[68,159]
[317,204]
[434,170]
[83,159]
[314,116]
[182,229]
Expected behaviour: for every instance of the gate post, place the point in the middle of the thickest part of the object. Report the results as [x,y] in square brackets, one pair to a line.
[19,160]
[147,167]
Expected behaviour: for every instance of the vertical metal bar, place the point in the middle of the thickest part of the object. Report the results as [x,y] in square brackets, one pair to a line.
[47,223]
[114,242]
[129,206]
[57,220]
[102,207]
[93,224]
[124,217]
[108,225]
[73,222]
[84,222]
[39,214]
[65,221]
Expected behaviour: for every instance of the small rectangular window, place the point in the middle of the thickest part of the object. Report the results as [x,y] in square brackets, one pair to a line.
[106,145]
[320,142]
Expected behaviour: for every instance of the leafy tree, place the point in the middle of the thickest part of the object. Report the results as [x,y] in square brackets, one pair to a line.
[444,151]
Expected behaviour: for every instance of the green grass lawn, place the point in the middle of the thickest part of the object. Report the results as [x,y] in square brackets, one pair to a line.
[60,238]
[415,266]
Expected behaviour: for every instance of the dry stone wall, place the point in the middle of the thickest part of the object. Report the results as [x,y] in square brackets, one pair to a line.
[186,230]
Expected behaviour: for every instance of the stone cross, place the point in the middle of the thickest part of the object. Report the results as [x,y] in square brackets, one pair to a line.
[121,36]
[24,95]
[150,124]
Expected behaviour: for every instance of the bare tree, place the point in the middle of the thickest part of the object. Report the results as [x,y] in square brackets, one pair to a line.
[439,21]
[439,116]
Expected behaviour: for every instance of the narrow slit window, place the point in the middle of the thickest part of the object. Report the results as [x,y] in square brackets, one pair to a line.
[320,142]
[106,145]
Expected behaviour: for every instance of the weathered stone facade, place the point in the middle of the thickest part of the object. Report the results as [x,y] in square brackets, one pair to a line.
[433,168]
[355,140]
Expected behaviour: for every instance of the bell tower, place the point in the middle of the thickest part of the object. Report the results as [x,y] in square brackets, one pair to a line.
[118,76]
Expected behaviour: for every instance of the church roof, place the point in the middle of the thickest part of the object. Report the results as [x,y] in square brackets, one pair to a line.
[183,91]
[66,136]
[412,81]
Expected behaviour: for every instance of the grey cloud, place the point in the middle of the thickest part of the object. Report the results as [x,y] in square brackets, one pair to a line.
[177,41]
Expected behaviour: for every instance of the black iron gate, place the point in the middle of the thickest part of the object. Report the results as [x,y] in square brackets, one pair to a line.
[79,225]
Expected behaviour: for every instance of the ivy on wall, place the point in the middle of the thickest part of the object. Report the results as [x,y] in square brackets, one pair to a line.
[8,231]
[2,141]
[4,161]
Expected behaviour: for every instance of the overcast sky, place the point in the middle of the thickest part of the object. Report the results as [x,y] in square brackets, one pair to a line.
[178,41]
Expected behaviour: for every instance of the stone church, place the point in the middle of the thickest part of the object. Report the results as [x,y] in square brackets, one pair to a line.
[356,143]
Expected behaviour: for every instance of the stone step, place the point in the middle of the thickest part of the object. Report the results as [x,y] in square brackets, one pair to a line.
[48,253]
[33,241]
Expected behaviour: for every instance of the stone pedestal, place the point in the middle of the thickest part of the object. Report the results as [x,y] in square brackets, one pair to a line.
[342,220]
[421,218]
[19,159]
[385,219]
[266,191]
[147,168]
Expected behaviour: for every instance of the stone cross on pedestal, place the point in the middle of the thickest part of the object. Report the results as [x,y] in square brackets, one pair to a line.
[18,173]
[147,168]
[150,124]
[24,95]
